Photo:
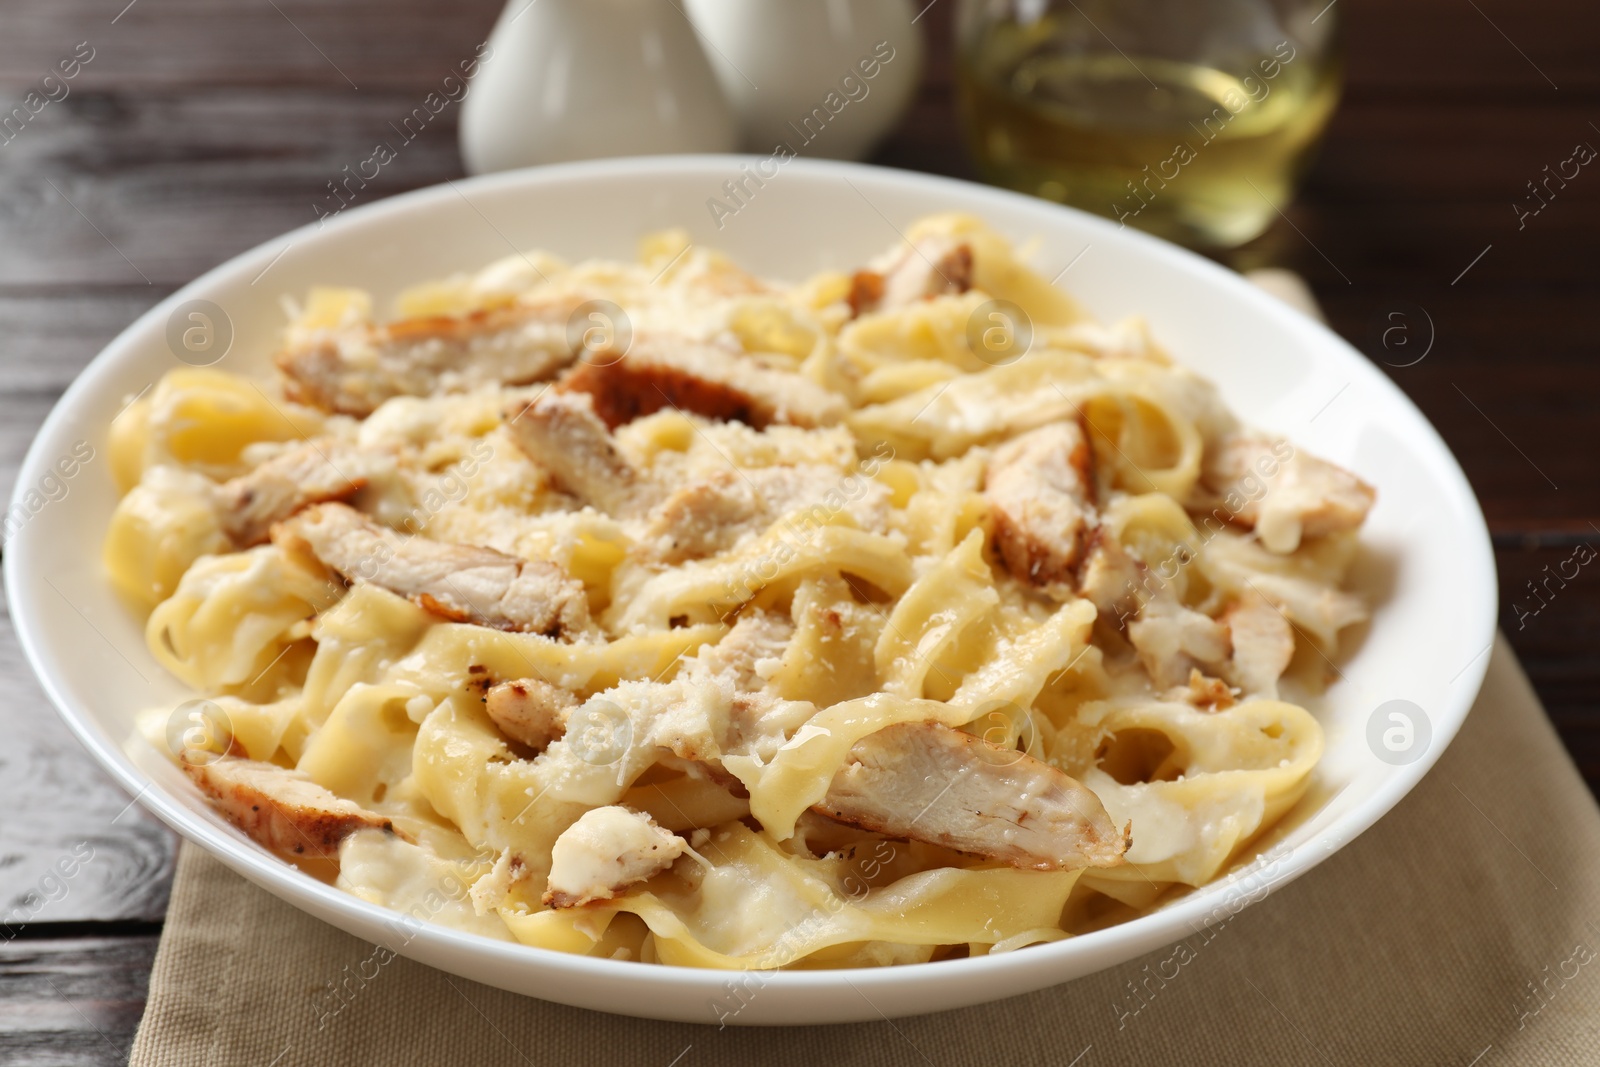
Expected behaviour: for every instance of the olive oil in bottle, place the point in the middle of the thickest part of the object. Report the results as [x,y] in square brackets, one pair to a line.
[1194,153]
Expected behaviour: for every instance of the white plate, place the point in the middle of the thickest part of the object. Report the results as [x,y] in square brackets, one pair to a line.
[1428,562]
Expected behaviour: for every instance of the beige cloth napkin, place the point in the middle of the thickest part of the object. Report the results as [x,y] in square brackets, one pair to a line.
[1456,931]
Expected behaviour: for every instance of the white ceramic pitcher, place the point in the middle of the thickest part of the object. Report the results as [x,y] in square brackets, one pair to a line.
[579,79]
[824,77]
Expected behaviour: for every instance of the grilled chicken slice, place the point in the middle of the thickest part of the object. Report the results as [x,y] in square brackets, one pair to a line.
[755,721]
[561,433]
[714,512]
[1302,497]
[929,782]
[704,517]
[530,711]
[759,638]
[933,266]
[1173,640]
[1111,579]
[462,583]
[352,369]
[1040,488]
[312,473]
[1263,645]
[728,706]
[605,852]
[1203,692]
[709,380]
[281,808]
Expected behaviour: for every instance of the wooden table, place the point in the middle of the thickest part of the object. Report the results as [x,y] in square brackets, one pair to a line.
[199,128]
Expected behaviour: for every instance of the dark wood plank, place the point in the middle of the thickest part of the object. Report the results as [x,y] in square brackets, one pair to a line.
[83,851]
[72,1001]
[357,46]
[1550,609]
[51,335]
[1441,48]
[152,188]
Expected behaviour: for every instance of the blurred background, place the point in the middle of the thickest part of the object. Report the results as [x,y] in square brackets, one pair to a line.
[1446,222]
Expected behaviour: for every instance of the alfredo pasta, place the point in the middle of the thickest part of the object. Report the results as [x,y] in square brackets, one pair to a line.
[689,617]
